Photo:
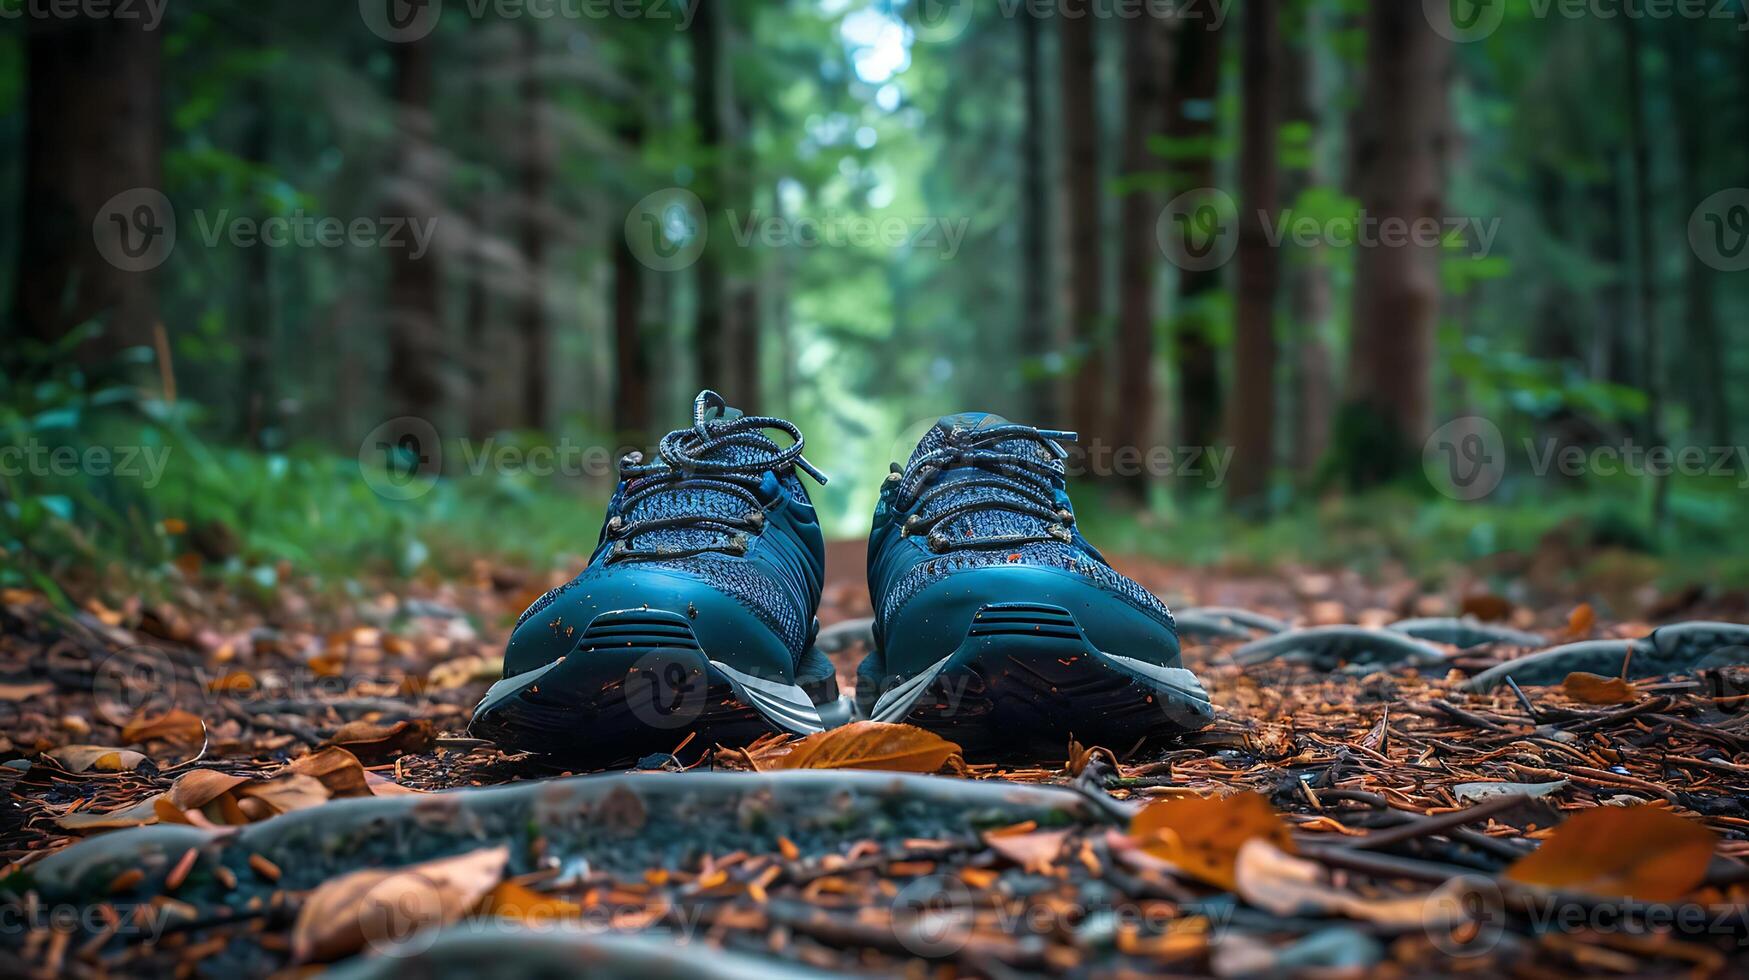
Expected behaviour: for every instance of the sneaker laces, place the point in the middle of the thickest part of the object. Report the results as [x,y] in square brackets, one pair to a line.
[1023,465]
[718,454]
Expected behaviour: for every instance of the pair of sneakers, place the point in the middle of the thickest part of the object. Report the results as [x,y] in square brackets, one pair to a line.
[996,623]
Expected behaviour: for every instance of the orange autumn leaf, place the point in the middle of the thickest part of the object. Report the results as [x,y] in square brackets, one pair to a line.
[1581,620]
[1593,689]
[1642,852]
[176,726]
[870,745]
[523,904]
[1201,836]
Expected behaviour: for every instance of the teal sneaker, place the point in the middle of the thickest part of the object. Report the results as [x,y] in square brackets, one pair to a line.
[997,624]
[695,615]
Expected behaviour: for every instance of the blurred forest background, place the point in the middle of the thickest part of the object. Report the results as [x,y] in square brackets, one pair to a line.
[553,222]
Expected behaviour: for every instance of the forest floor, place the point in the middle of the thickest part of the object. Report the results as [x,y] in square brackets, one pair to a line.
[217,709]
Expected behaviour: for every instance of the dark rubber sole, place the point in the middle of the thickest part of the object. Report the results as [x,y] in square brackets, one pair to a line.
[1026,680]
[638,684]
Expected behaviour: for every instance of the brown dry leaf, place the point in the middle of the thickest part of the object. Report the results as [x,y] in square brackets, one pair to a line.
[20,692]
[101,758]
[176,726]
[871,745]
[1034,852]
[377,905]
[338,769]
[1202,835]
[1581,621]
[283,794]
[137,815]
[523,904]
[1285,885]
[1642,852]
[191,791]
[373,743]
[384,786]
[462,671]
[1593,689]
[1486,607]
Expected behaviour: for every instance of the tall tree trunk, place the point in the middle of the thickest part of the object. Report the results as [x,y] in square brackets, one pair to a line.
[1081,180]
[1400,170]
[1651,353]
[416,341]
[744,312]
[1704,349]
[535,178]
[1308,277]
[1146,54]
[709,337]
[1253,425]
[1190,129]
[255,374]
[92,131]
[631,358]
[1038,324]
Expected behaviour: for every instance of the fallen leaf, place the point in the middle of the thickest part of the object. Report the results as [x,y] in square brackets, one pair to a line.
[1593,689]
[1486,607]
[1202,835]
[384,786]
[21,692]
[462,671]
[1581,621]
[282,794]
[1471,792]
[379,906]
[175,726]
[1642,852]
[102,758]
[523,904]
[337,769]
[1034,852]
[373,743]
[1284,885]
[870,745]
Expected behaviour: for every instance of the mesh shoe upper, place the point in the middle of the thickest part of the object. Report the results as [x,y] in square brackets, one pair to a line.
[992,493]
[698,511]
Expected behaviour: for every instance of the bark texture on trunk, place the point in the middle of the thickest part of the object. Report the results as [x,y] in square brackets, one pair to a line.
[1254,354]
[536,177]
[1307,279]
[1081,179]
[92,131]
[1038,320]
[1190,128]
[712,359]
[1403,133]
[417,351]
[1147,54]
